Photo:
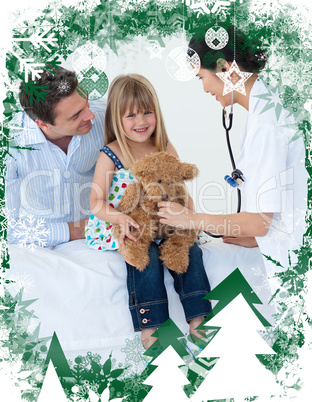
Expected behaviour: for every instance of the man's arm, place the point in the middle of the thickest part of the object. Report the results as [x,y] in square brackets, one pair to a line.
[33,229]
[77,229]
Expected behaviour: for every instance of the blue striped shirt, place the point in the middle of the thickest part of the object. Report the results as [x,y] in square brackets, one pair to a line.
[46,188]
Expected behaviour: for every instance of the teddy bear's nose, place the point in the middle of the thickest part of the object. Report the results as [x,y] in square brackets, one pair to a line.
[164,197]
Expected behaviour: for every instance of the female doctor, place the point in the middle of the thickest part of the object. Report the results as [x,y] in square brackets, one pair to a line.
[274,190]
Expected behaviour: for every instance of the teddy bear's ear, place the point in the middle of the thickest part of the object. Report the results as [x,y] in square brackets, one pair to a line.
[188,171]
[138,168]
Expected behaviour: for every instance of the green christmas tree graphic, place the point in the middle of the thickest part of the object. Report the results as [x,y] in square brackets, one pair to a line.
[167,379]
[167,335]
[52,389]
[237,373]
[227,290]
[57,356]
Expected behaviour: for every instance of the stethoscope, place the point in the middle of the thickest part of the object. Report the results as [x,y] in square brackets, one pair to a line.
[236,177]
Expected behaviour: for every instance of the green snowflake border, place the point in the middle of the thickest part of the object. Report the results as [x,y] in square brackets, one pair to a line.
[285,31]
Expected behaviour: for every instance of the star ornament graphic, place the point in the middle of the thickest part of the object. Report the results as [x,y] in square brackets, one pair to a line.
[238,80]
[155,51]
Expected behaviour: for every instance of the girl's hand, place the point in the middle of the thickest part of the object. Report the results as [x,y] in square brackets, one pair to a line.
[125,222]
[174,214]
[248,242]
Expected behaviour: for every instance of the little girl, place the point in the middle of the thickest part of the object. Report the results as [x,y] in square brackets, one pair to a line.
[134,128]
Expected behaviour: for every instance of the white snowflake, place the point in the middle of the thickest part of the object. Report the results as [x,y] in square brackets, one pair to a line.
[41,37]
[87,6]
[277,58]
[200,6]
[10,221]
[286,26]
[298,74]
[279,236]
[134,351]
[62,29]
[13,378]
[63,87]
[134,381]
[125,5]
[21,280]
[292,313]
[24,323]
[263,280]
[300,218]
[22,131]
[77,396]
[289,378]
[270,73]
[18,17]
[32,232]
[140,5]
[300,18]
[137,5]
[4,333]
[306,37]
[33,325]
[266,8]
[13,86]
[167,5]
[5,354]
[3,250]
[269,335]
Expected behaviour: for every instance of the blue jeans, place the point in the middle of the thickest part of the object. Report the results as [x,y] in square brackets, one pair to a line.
[148,302]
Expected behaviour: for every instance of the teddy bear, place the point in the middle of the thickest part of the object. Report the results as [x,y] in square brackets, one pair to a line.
[159,176]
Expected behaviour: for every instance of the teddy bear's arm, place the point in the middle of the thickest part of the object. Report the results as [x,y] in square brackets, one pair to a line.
[130,198]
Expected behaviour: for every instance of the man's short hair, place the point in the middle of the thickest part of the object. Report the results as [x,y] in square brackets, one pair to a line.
[60,85]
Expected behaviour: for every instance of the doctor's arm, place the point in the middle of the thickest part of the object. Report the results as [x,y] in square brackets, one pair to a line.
[244,224]
[248,242]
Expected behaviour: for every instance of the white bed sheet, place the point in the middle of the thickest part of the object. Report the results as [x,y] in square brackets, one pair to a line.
[82,293]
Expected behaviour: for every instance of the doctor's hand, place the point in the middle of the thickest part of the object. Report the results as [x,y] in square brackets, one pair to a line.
[174,214]
[248,242]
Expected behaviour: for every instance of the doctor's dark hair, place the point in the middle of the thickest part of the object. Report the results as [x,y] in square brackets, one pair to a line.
[60,85]
[249,54]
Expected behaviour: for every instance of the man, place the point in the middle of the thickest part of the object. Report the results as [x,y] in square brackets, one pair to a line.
[48,181]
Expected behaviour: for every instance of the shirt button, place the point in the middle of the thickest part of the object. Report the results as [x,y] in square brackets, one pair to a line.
[142,311]
[144,321]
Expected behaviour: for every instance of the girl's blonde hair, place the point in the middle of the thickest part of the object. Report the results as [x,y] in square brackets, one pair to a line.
[127,92]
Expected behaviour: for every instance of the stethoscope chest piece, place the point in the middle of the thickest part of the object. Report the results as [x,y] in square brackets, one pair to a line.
[236,179]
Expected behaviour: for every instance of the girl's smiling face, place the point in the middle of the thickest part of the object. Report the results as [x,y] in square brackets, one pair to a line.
[214,85]
[137,125]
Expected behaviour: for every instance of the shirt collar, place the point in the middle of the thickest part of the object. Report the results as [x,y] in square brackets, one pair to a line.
[257,89]
[25,131]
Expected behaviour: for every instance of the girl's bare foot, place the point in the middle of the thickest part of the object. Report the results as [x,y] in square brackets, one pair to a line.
[146,337]
[194,323]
